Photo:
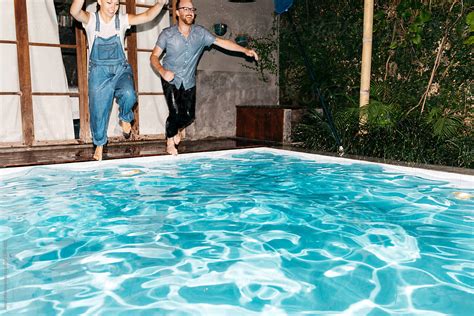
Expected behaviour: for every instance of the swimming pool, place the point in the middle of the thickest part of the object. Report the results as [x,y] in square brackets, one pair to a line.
[243,232]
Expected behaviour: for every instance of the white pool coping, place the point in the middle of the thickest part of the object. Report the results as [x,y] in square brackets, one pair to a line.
[454,179]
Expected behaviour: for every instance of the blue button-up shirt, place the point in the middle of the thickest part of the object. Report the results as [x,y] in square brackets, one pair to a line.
[182,54]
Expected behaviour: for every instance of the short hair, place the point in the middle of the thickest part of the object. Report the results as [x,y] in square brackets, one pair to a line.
[178,3]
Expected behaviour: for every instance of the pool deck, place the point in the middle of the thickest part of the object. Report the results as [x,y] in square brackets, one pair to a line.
[20,157]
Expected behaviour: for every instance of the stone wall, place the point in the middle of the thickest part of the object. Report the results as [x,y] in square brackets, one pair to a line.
[222,80]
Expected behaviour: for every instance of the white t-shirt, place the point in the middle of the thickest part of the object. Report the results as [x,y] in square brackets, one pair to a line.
[106,29]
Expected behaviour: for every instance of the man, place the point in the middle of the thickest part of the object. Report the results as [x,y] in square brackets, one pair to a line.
[184,44]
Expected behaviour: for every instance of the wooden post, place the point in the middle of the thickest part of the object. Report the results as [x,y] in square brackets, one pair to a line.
[133,61]
[174,12]
[82,86]
[24,71]
[366,57]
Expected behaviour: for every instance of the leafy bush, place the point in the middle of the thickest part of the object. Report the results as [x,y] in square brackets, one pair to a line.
[421,107]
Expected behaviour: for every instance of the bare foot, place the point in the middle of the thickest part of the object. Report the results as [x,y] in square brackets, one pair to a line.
[170,147]
[98,153]
[178,137]
[126,129]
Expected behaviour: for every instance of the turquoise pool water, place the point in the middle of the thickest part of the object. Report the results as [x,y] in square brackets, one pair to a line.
[239,233]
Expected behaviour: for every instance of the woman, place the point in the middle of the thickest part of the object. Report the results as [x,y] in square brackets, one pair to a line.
[110,75]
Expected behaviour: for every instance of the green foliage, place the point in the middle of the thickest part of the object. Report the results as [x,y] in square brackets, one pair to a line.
[436,139]
[408,36]
[266,47]
[444,124]
[470,23]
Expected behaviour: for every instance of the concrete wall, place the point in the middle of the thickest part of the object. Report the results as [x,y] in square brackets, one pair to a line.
[222,81]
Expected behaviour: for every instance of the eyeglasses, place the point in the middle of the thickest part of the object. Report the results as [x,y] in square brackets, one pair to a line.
[187,10]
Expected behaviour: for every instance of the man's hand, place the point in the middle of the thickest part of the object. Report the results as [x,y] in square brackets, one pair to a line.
[167,75]
[251,53]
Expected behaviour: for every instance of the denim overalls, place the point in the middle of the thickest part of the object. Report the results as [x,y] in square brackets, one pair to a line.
[110,76]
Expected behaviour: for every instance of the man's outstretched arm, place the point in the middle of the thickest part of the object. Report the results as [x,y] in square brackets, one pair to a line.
[232,46]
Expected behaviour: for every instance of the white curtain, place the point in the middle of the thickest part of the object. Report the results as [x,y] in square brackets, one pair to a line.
[52,115]
[10,113]
[153,108]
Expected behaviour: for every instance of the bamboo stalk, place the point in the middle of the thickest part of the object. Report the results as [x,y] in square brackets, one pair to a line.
[366,57]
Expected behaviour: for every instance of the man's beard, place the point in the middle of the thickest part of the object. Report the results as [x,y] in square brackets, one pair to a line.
[187,20]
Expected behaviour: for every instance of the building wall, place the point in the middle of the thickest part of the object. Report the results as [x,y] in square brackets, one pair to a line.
[222,80]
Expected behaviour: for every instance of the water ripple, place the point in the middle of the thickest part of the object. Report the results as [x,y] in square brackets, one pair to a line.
[248,233]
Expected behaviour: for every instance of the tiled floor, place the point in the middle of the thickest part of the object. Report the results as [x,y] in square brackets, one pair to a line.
[16,157]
